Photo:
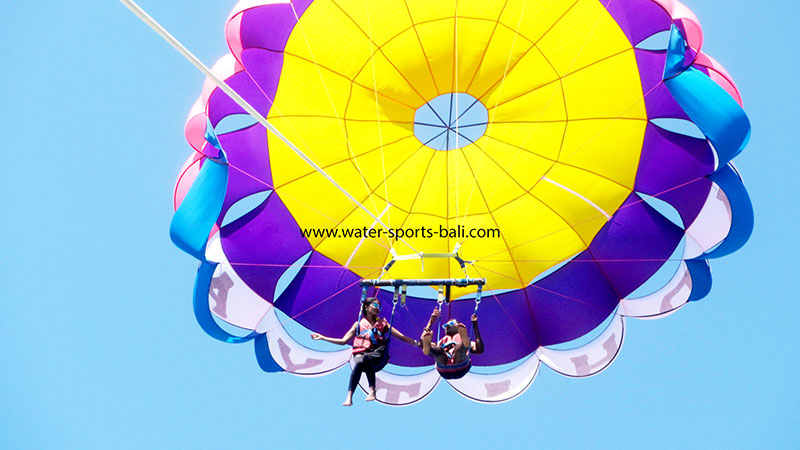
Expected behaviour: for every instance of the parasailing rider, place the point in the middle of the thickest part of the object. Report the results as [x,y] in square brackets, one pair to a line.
[452,352]
[370,346]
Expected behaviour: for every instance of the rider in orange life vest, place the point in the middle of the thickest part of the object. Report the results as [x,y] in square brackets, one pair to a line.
[369,346]
[455,347]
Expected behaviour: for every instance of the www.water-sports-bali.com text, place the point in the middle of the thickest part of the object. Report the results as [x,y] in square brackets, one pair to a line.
[398,233]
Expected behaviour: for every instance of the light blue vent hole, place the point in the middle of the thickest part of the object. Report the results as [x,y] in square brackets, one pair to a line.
[450,121]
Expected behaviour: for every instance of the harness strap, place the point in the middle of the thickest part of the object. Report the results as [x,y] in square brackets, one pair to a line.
[391,320]
[360,309]
[477,303]
[440,301]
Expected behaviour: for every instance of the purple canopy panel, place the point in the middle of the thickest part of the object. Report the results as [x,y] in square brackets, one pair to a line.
[221,105]
[512,334]
[323,297]
[246,150]
[638,19]
[651,67]
[634,244]
[264,67]
[571,301]
[269,26]
[262,244]
[660,103]
[688,199]
[658,99]
[671,160]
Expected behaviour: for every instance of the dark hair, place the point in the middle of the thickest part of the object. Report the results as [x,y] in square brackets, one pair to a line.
[365,304]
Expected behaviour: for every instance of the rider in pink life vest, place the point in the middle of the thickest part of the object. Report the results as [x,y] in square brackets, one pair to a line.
[452,351]
[370,335]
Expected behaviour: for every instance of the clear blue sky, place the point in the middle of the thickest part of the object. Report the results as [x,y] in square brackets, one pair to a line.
[100,348]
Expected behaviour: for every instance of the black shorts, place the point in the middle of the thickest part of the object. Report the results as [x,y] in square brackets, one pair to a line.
[374,359]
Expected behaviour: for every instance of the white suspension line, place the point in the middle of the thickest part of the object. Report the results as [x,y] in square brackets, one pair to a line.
[155,26]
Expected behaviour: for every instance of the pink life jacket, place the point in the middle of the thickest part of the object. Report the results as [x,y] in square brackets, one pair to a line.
[453,370]
[369,337]
[448,344]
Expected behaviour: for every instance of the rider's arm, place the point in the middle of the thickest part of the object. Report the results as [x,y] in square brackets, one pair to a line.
[404,338]
[476,346]
[342,341]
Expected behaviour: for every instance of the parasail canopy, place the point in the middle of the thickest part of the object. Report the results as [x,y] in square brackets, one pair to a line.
[574,154]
